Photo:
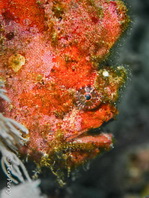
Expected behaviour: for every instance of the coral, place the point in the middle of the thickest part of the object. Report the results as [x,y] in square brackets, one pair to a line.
[10,138]
[29,189]
[51,57]
[3,91]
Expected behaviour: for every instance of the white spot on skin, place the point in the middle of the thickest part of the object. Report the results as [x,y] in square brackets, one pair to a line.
[105,73]
[120,67]
[78,141]
[45,154]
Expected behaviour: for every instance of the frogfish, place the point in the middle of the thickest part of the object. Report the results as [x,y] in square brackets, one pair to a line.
[51,61]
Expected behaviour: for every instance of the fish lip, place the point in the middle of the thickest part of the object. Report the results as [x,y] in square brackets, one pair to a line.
[102,139]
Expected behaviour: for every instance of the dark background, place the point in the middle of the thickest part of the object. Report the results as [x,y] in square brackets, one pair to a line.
[124,171]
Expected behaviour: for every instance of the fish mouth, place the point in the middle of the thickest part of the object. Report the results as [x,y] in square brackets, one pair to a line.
[72,152]
[103,140]
[78,150]
[92,137]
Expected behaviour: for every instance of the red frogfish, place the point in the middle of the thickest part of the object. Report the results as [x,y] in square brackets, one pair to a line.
[50,60]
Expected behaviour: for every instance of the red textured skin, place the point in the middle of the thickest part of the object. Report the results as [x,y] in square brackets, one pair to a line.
[63,43]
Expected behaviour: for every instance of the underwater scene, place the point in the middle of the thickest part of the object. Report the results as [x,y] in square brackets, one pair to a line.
[74,99]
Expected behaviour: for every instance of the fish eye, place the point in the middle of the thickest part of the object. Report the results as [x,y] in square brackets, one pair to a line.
[87,98]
